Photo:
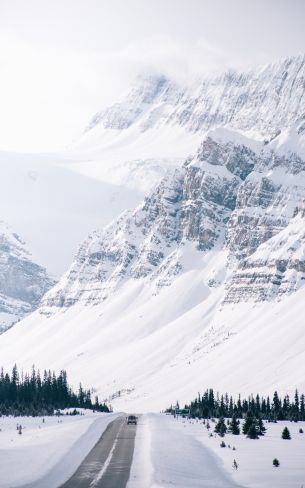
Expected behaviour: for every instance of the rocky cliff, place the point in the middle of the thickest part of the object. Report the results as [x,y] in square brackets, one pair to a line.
[234,194]
[262,101]
[22,282]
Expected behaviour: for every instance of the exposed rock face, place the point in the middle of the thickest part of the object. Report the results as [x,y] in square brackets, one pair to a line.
[229,196]
[191,204]
[276,268]
[235,194]
[22,282]
[266,202]
[146,92]
[264,100]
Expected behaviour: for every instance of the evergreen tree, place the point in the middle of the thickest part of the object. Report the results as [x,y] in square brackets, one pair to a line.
[276,405]
[210,405]
[234,426]
[40,395]
[248,423]
[286,433]
[253,431]
[296,400]
[302,407]
[221,427]
[268,408]
[261,429]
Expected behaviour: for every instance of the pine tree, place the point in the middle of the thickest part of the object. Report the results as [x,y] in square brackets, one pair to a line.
[296,407]
[302,407]
[286,433]
[268,408]
[234,426]
[248,423]
[253,431]
[276,404]
[221,427]
[211,405]
[260,426]
[39,395]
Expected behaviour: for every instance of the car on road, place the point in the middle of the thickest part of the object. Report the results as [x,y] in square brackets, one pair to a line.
[132,419]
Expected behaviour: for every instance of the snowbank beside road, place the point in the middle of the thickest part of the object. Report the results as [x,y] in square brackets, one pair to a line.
[47,453]
[181,453]
[166,455]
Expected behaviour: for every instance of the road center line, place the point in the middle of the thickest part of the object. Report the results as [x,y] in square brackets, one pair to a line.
[107,462]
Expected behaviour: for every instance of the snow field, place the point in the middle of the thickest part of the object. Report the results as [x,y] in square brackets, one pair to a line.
[47,453]
[167,454]
[181,453]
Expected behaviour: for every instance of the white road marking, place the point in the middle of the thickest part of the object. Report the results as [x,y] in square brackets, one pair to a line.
[107,462]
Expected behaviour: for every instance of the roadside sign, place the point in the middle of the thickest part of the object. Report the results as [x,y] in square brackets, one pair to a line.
[183,412]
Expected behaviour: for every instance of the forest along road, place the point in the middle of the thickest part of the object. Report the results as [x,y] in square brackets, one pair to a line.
[108,464]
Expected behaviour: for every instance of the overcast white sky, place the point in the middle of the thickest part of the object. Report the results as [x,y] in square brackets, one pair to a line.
[62,60]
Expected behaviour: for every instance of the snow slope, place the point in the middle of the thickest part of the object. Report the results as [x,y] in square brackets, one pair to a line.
[155,348]
[181,453]
[204,276]
[47,453]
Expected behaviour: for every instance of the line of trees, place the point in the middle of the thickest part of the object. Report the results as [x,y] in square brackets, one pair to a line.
[276,408]
[35,394]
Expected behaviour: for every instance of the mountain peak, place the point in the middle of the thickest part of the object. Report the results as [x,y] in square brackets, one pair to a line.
[258,102]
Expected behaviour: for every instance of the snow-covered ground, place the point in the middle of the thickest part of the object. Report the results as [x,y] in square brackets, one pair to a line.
[167,455]
[180,453]
[47,453]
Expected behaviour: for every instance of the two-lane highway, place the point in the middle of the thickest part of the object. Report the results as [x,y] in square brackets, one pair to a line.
[108,464]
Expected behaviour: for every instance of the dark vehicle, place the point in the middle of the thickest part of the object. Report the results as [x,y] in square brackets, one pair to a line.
[132,419]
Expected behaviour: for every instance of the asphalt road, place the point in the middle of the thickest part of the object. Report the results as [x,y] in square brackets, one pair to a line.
[108,464]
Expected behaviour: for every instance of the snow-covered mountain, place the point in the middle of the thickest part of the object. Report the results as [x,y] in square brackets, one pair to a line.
[158,122]
[202,283]
[234,193]
[192,203]
[22,281]
[263,100]
[181,283]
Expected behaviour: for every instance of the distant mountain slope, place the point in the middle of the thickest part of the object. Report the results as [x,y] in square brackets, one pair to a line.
[180,293]
[22,282]
[158,123]
[261,101]
[234,193]
[200,283]
[193,203]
